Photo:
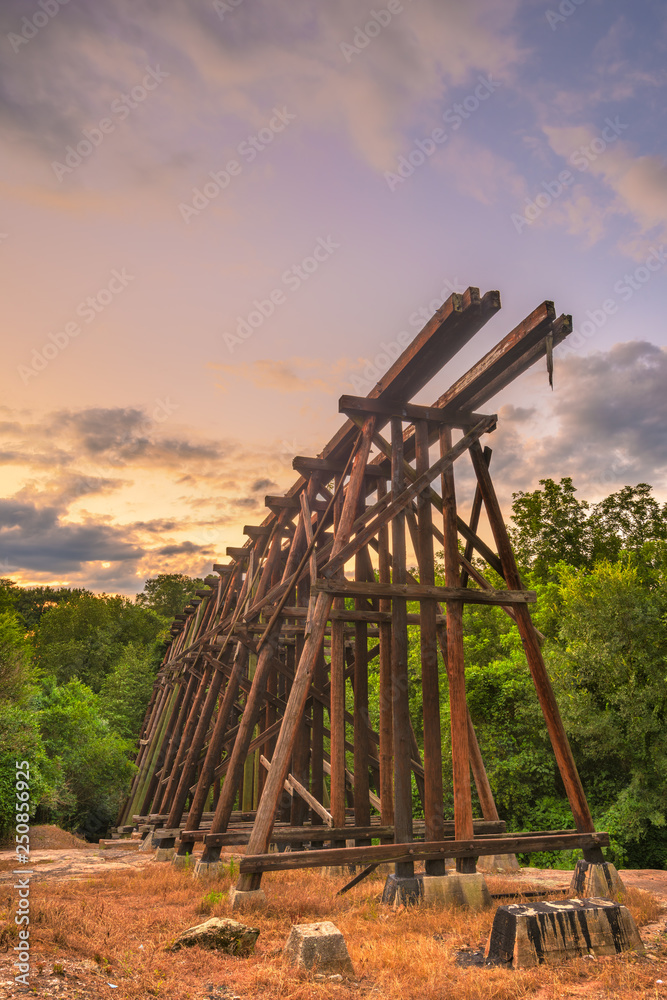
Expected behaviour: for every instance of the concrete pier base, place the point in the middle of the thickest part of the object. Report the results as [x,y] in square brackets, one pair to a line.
[208,869]
[551,933]
[164,854]
[601,881]
[498,863]
[403,890]
[246,899]
[182,861]
[318,948]
[457,889]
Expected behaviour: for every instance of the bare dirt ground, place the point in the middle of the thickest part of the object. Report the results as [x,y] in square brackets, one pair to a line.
[101,919]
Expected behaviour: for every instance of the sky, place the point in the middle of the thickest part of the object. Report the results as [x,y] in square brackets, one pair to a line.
[215,218]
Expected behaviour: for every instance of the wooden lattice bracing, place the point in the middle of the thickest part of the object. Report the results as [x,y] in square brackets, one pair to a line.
[258,729]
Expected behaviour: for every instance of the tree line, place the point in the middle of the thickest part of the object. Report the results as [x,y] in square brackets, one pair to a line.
[76,673]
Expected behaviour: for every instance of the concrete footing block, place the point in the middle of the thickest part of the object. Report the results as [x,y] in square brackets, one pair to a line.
[599,880]
[182,861]
[458,889]
[208,869]
[318,948]
[164,854]
[246,899]
[401,890]
[551,933]
[498,863]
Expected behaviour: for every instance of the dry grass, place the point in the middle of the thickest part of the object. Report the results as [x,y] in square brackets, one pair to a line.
[123,921]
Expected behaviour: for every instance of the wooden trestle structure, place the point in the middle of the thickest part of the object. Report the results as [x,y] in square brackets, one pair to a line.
[260,709]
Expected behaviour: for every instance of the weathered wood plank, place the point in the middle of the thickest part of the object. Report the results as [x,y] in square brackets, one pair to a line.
[418,851]
[419,591]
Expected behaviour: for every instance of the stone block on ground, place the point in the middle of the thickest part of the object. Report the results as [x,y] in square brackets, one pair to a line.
[524,936]
[219,934]
[458,889]
[599,880]
[318,948]
[246,899]
[498,863]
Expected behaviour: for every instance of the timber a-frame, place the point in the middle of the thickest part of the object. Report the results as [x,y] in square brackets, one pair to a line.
[260,711]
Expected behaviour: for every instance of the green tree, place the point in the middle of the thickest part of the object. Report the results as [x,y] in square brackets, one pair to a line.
[626,520]
[20,737]
[168,593]
[93,760]
[32,602]
[550,526]
[126,691]
[85,637]
[610,673]
[8,594]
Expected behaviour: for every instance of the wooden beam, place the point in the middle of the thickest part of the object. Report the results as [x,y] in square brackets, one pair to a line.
[306,466]
[304,673]
[256,531]
[408,411]
[420,591]
[321,834]
[562,750]
[416,851]
[293,503]
[384,510]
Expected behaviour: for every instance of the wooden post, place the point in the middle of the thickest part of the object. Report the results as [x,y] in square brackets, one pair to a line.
[337,701]
[457,692]
[399,664]
[214,751]
[362,810]
[317,743]
[386,749]
[433,805]
[558,736]
[194,750]
[261,832]
[186,740]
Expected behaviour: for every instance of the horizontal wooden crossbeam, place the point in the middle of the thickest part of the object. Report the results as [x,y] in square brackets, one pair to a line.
[320,834]
[420,591]
[306,466]
[523,843]
[408,411]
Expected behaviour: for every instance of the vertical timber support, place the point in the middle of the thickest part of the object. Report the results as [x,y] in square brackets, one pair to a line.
[463,826]
[399,666]
[433,805]
[264,820]
[561,745]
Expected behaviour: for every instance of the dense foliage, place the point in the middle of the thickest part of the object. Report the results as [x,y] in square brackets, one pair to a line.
[76,671]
